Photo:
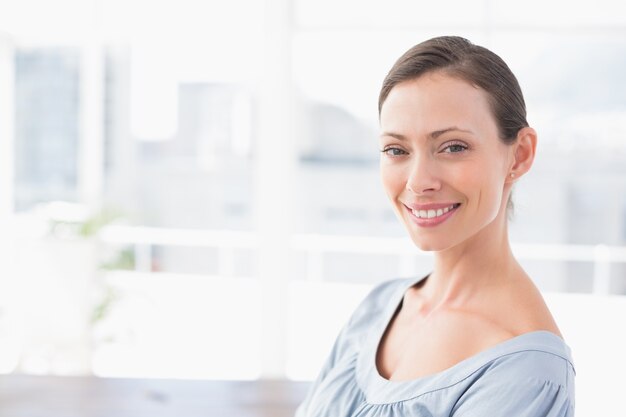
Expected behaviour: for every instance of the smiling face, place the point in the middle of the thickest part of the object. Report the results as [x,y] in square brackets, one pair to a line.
[443,166]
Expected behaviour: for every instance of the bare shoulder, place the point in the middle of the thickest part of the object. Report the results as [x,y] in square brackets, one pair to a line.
[509,312]
[520,308]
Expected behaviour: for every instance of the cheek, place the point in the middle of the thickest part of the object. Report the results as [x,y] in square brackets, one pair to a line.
[490,188]
[479,183]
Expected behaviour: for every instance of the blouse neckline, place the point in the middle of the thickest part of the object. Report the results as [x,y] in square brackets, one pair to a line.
[378,389]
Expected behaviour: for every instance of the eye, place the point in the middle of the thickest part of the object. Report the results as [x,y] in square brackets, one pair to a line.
[393,152]
[454,147]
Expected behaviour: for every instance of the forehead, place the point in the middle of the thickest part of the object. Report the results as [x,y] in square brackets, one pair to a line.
[435,101]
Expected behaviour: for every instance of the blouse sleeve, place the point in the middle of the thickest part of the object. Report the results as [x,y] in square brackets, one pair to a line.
[497,396]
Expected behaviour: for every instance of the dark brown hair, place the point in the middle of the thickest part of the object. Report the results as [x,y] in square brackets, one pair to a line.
[482,68]
[458,57]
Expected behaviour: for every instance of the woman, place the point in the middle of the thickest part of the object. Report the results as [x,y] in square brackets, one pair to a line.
[474,337]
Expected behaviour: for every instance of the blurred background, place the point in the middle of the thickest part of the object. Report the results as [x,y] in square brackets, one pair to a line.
[190,189]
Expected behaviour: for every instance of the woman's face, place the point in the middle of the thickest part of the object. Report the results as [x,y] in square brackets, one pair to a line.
[443,166]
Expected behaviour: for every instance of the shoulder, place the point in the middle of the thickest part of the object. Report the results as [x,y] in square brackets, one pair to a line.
[533,372]
[537,355]
[530,309]
[533,363]
[382,292]
[381,297]
[376,305]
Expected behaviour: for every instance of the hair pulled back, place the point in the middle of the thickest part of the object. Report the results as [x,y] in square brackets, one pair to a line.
[458,57]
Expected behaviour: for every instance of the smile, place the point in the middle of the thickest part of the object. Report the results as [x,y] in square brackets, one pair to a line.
[431,214]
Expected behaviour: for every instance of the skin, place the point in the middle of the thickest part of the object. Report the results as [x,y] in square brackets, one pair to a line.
[477,295]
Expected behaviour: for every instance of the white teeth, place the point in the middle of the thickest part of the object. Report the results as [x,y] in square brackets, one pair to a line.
[430,214]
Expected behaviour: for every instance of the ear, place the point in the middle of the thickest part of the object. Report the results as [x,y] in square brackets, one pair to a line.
[523,153]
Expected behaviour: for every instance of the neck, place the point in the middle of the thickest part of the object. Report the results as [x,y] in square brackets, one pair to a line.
[472,268]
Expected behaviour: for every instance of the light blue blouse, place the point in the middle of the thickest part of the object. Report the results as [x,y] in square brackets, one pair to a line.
[530,375]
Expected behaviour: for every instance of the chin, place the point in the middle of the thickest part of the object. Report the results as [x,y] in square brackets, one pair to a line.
[428,245]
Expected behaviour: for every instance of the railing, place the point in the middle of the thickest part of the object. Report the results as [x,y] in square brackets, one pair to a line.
[316,246]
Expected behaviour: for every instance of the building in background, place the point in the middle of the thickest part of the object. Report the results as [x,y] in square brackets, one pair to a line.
[46,111]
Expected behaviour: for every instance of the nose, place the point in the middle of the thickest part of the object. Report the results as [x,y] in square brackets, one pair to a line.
[423,176]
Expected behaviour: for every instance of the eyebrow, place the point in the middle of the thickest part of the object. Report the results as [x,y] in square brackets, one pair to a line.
[432,135]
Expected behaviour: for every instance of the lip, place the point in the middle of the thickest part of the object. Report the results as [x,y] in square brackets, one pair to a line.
[435,221]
